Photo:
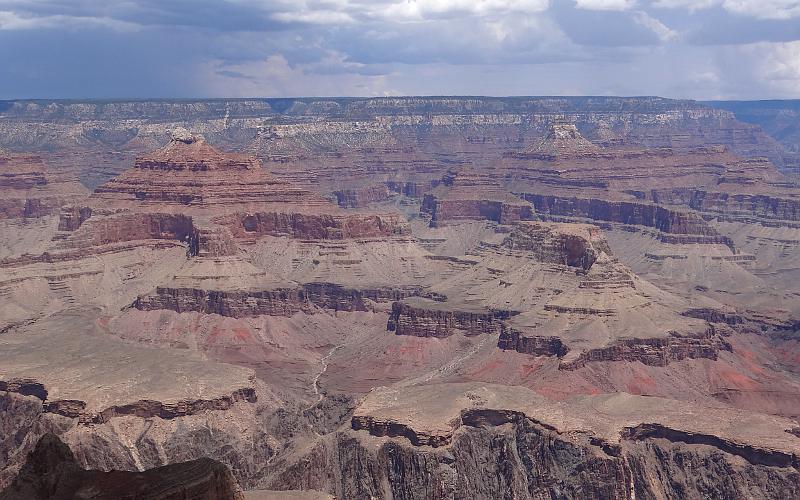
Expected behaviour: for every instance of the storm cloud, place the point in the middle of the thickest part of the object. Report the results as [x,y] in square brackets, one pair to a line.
[703,49]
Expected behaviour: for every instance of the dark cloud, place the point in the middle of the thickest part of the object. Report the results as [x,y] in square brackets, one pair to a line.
[194,48]
[603,28]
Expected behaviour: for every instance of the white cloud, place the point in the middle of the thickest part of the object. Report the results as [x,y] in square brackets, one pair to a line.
[314,17]
[405,10]
[664,33]
[779,63]
[762,9]
[12,21]
[346,11]
[605,4]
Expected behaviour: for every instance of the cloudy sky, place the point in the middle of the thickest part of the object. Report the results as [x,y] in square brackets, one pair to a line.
[702,49]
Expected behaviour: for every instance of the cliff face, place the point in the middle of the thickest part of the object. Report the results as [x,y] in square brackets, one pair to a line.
[443,440]
[504,454]
[52,472]
[776,118]
[576,246]
[502,212]
[361,197]
[771,209]
[653,352]
[514,340]
[276,302]
[315,226]
[676,226]
[624,212]
[432,320]
[224,316]
[468,193]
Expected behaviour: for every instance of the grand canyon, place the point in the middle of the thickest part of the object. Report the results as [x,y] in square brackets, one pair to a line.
[400,298]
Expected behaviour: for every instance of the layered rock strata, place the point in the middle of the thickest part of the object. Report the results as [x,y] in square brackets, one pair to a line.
[469,194]
[564,295]
[430,319]
[188,178]
[675,226]
[574,246]
[361,197]
[652,351]
[275,302]
[29,189]
[562,140]
[768,209]
[314,226]
[515,340]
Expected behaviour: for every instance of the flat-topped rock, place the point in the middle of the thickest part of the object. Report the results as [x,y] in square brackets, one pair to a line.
[431,414]
[82,374]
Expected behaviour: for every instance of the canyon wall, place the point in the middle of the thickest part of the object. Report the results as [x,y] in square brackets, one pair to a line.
[274,302]
[502,453]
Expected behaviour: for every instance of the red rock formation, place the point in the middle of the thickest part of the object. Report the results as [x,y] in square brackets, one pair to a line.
[314,226]
[678,226]
[190,179]
[514,340]
[652,351]
[361,197]
[188,172]
[575,246]
[274,302]
[469,194]
[432,319]
[770,208]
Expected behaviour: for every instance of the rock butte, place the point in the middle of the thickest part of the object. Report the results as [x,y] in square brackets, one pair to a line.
[399,298]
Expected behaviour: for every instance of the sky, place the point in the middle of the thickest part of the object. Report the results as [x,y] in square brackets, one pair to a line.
[698,49]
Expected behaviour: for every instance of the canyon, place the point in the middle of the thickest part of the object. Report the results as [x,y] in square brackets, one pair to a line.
[398,298]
